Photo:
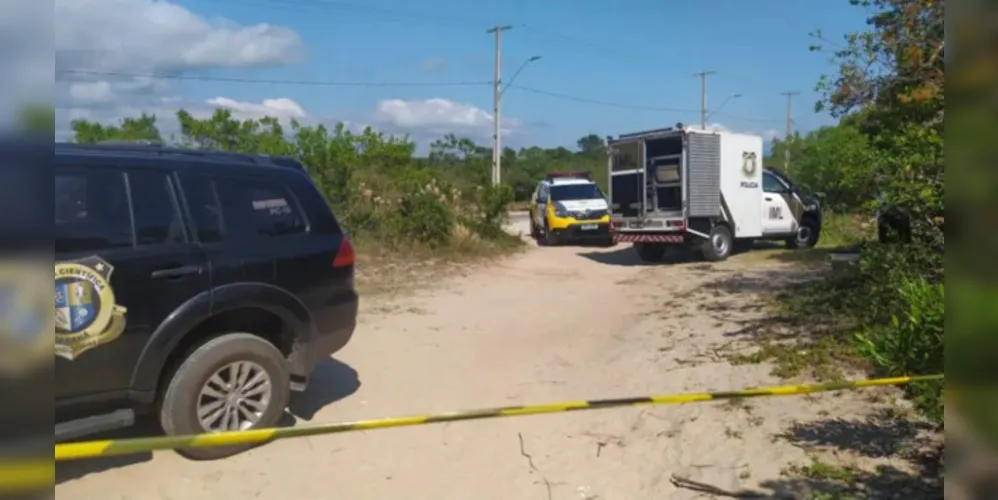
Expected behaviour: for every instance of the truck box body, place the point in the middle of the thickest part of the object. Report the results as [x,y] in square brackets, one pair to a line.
[667,184]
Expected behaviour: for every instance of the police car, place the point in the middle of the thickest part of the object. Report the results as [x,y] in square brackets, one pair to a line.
[569,206]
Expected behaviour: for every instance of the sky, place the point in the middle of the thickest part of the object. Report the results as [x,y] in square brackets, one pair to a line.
[605,67]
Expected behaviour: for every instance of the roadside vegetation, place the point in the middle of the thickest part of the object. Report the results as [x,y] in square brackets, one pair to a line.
[885,315]
[398,206]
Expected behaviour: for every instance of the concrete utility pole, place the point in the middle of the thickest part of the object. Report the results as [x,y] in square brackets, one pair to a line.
[703,96]
[496,98]
[786,155]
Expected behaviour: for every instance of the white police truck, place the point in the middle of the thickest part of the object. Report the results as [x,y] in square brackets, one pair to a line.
[703,190]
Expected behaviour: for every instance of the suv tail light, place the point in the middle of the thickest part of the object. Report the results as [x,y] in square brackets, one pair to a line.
[345,256]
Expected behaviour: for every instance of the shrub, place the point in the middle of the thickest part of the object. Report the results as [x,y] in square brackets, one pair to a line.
[912,342]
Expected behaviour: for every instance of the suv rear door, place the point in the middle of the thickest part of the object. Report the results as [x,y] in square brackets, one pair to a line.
[122,219]
[254,228]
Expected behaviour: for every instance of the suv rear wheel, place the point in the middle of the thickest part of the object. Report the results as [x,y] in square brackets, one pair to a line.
[236,381]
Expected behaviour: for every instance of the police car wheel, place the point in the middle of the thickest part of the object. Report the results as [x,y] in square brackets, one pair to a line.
[236,381]
[550,237]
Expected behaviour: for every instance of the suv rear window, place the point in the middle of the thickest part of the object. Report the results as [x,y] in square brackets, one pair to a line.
[254,209]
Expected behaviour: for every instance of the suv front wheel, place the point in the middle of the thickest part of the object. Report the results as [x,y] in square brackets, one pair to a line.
[235,381]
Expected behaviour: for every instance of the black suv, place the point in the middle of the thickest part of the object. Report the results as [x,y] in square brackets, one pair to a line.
[199,286]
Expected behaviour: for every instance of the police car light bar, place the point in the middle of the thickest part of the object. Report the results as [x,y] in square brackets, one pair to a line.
[578,174]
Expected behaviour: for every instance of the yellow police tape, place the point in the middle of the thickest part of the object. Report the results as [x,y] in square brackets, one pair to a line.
[89,449]
[26,475]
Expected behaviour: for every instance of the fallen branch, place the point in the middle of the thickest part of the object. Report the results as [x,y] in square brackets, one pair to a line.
[530,461]
[689,484]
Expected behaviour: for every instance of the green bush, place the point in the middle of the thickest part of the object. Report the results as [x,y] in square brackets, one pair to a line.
[487,213]
[425,217]
[911,343]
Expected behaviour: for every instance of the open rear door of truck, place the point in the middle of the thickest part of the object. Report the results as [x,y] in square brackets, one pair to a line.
[627,179]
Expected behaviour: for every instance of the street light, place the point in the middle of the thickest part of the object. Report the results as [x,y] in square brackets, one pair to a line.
[497,100]
[729,99]
[517,73]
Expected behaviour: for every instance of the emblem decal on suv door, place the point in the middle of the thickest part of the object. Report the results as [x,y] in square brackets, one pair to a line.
[85,313]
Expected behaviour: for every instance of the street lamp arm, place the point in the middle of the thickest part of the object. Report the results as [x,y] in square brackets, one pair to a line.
[726,101]
[517,73]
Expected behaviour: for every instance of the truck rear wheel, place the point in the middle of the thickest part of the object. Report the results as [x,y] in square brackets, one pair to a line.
[650,252]
[718,246]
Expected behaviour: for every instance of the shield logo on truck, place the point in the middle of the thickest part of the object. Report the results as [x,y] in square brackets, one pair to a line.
[749,164]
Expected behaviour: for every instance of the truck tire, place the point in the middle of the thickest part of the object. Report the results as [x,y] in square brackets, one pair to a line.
[718,246]
[534,233]
[248,373]
[650,252]
[806,236]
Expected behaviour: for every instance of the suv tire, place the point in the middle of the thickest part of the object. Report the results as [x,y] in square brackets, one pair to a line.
[719,245]
[179,407]
[534,232]
[805,237]
[650,252]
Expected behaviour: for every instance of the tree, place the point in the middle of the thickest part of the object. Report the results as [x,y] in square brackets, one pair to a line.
[592,146]
[129,129]
[891,79]
[37,119]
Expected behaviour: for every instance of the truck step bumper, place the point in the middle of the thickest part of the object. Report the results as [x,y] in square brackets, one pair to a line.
[648,238]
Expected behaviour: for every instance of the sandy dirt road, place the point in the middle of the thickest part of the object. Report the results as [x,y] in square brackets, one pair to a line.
[549,324]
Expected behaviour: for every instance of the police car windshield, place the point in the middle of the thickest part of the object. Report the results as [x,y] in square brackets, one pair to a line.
[575,192]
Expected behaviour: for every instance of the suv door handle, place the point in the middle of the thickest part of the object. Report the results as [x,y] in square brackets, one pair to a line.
[769,198]
[176,272]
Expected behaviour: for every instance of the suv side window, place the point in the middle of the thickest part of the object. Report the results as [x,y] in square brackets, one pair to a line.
[255,209]
[91,211]
[206,211]
[154,208]
[542,195]
[771,184]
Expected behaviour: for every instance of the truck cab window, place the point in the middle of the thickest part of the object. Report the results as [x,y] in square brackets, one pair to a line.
[771,184]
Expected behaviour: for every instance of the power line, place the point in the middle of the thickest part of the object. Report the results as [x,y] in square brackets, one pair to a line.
[316,83]
[326,83]
[611,104]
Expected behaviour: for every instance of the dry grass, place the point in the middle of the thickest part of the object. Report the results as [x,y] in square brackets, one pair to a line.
[385,270]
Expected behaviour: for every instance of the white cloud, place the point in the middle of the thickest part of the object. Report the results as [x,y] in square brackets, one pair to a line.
[154,35]
[280,107]
[433,65]
[439,116]
[135,37]
[26,54]
[767,134]
[91,92]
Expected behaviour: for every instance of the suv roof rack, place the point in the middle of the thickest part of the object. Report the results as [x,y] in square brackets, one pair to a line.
[576,174]
[154,148]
